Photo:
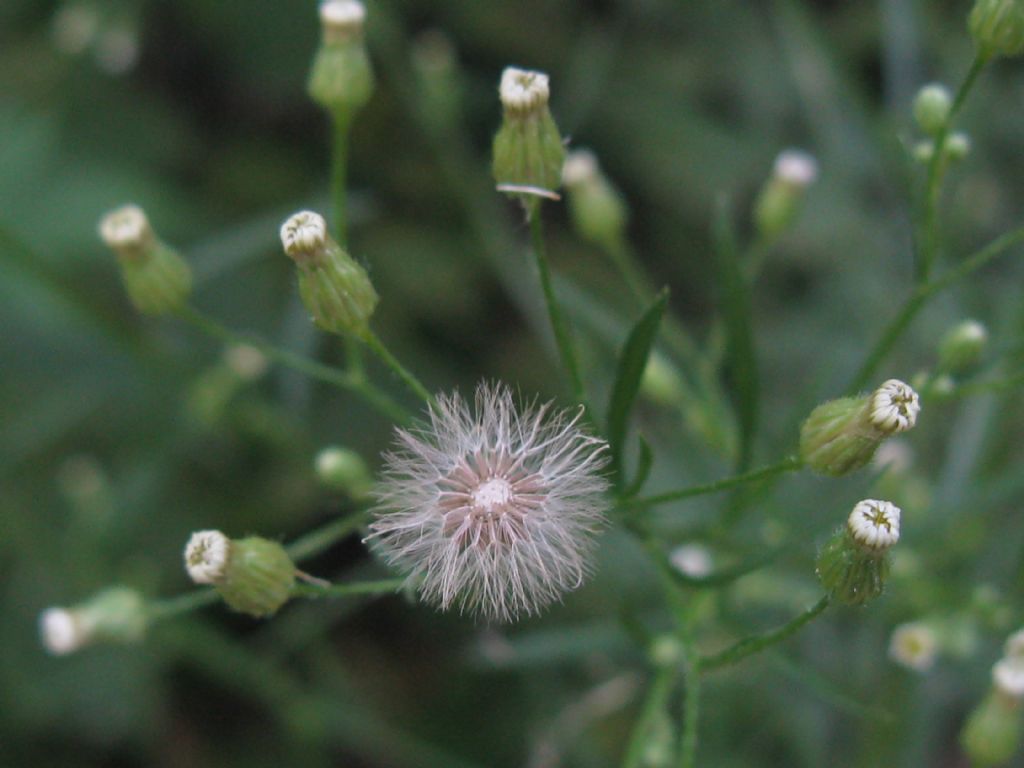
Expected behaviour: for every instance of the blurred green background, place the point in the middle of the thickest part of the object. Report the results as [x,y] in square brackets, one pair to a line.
[118,437]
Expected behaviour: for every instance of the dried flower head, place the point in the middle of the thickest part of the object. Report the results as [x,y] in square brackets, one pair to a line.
[62,631]
[914,645]
[304,235]
[523,90]
[340,18]
[206,556]
[894,407]
[126,230]
[875,524]
[492,509]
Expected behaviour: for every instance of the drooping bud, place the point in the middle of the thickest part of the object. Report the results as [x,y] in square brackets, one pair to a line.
[156,278]
[341,469]
[997,27]
[341,79]
[528,151]
[853,565]
[779,201]
[334,288]
[914,645]
[962,347]
[598,210]
[253,575]
[931,108]
[842,435]
[992,732]
[117,615]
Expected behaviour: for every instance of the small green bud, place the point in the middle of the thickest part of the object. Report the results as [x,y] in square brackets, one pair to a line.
[962,347]
[117,615]
[853,565]
[156,278]
[598,210]
[779,202]
[842,435]
[528,151]
[661,381]
[666,651]
[992,731]
[341,469]
[253,575]
[958,146]
[341,79]
[914,645]
[931,108]
[335,289]
[997,27]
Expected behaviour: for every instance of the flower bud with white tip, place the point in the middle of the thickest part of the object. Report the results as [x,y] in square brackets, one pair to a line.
[341,79]
[962,347]
[598,210]
[117,615]
[931,108]
[334,288]
[914,645]
[341,469]
[997,27]
[527,152]
[156,278]
[894,408]
[779,201]
[253,575]
[853,565]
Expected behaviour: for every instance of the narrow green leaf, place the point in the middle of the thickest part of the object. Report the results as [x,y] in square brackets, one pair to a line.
[740,359]
[643,469]
[630,371]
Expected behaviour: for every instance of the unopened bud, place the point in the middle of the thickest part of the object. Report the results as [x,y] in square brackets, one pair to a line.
[334,288]
[992,731]
[997,27]
[958,146]
[894,407]
[962,347]
[528,151]
[341,469]
[914,646]
[598,210]
[661,381]
[156,278]
[779,202]
[931,108]
[341,79]
[253,575]
[117,615]
[853,565]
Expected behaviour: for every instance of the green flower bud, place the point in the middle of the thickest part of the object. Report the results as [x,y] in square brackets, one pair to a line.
[962,347]
[779,202]
[341,79]
[958,146]
[528,151]
[931,108]
[992,731]
[156,278]
[253,575]
[842,435]
[598,211]
[997,27]
[853,565]
[335,289]
[661,381]
[341,469]
[116,615]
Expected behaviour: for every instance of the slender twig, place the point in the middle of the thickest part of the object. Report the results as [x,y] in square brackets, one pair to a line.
[751,645]
[377,347]
[325,373]
[989,386]
[315,542]
[158,610]
[691,711]
[654,705]
[563,339]
[791,464]
[340,123]
[346,590]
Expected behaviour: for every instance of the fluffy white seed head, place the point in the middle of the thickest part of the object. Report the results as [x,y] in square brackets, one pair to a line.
[206,556]
[1008,676]
[894,407]
[796,167]
[304,234]
[874,524]
[692,560]
[62,631]
[580,168]
[492,509]
[914,646]
[126,229]
[523,90]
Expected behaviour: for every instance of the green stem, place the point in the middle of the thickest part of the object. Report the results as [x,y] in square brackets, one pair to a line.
[933,184]
[691,711]
[654,705]
[325,373]
[347,590]
[986,387]
[339,173]
[175,606]
[377,347]
[920,297]
[563,339]
[791,464]
[315,542]
[756,643]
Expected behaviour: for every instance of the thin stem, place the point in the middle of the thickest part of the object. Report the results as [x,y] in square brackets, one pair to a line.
[340,123]
[933,184]
[315,542]
[791,464]
[563,339]
[338,378]
[654,705]
[170,607]
[920,297]
[378,348]
[691,711]
[986,387]
[347,590]
[756,643]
